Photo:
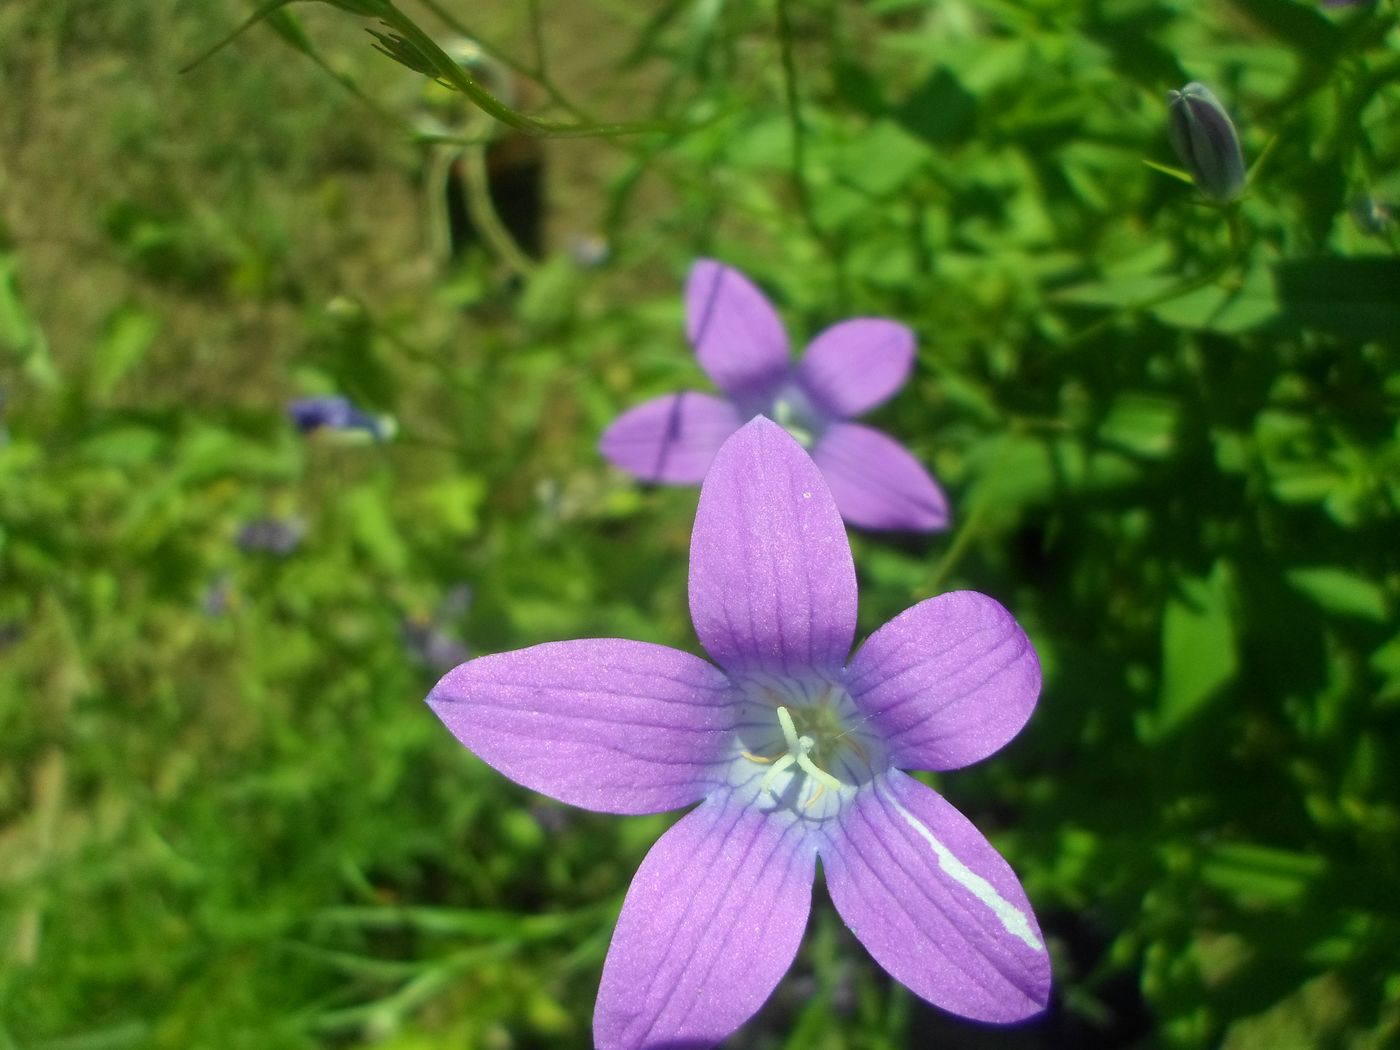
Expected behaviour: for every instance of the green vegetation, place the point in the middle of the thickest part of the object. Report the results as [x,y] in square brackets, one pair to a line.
[1168,430]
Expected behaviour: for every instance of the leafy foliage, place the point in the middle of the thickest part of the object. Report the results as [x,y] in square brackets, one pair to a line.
[1169,431]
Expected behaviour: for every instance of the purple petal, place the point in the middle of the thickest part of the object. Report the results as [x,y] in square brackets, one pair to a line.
[855,365]
[877,483]
[947,682]
[671,439]
[935,904]
[603,723]
[737,335]
[772,584]
[711,923]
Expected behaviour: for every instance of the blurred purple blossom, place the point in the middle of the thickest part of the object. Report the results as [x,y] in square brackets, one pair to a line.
[310,414]
[11,632]
[794,750]
[431,646]
[272,536]
[846,371]
[429,641]
[218,595]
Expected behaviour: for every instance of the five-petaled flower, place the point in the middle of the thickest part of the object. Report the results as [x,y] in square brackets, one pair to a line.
[847,370]
[796,754]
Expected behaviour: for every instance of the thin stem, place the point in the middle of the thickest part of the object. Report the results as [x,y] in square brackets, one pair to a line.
[537,73]
[483,212]
[799,126]
[956,549]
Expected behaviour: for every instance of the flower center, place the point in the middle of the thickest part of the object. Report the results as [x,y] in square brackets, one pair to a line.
[794,412]
[802,746]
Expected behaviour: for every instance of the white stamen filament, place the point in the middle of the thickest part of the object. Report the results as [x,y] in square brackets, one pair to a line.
[799,752]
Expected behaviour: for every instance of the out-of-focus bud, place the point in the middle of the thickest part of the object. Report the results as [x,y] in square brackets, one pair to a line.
[1207,143]
[1372,216]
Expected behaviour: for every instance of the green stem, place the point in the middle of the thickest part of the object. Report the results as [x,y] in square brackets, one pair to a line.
[483,212]
[957,549]
[799,126]
[536,73]
[453,73]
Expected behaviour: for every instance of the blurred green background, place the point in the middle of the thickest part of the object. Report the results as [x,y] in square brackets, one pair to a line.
[226,817]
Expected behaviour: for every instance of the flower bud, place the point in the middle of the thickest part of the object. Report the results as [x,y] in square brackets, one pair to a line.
[1206,142]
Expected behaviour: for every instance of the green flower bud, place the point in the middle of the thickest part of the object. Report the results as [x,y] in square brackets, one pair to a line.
[1206,141]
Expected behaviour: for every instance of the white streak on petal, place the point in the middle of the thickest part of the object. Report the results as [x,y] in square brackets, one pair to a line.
[1016,922]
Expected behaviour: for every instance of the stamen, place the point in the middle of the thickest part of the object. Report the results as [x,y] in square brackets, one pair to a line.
[798,753]
[777,767]
[820,775]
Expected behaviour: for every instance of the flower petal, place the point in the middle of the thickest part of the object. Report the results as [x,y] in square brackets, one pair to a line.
[853,366]
[935,904]
[671,438]
[711,923]
[603,723]
[737,335]
[772,584]
[876,482]
[947,682]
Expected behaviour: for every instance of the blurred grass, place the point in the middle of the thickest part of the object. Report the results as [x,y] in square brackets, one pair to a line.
[226,818]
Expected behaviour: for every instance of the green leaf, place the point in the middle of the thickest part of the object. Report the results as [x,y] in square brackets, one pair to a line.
[1338,591]
[1261,874]
[19,332]
[376,534]
[1385,661]
[1143,424]
[1199,653]
[881,161]
[940,110]
[127,338]
[1229,310]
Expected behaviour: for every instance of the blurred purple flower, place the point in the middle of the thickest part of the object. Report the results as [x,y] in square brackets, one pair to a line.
[309,414]
[11,632]
[847,370]
[794,754]
[431,646]
[218,595]
[270,536]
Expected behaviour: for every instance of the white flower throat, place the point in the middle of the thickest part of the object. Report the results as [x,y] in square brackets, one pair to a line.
[801,746]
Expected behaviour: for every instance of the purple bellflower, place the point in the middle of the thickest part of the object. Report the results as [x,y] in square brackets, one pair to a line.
[794,754]
[847,370]
[327,412]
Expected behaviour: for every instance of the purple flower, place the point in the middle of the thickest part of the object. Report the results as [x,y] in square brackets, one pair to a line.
[268,535]
[794,754]
[846,370]
[431,646]
[309,414]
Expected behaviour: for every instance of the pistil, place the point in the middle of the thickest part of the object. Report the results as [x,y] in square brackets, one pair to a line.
[798,752]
